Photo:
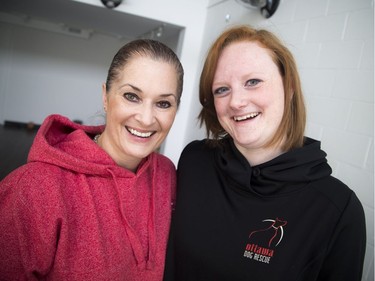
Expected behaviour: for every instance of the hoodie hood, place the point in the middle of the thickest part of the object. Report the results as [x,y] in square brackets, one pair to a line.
[69,145]
[283,174]
[99,214]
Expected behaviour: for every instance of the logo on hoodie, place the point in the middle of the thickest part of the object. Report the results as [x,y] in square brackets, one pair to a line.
[262,243]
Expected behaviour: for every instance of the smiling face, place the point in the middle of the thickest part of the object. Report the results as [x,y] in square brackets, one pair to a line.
[249,97]
[141,106]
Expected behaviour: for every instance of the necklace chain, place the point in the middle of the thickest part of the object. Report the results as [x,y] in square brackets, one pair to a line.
[96,138]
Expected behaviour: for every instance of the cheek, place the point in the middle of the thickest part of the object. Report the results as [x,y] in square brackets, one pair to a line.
[166,119]
[219,107]
[118,108]
[280,100]
[273,97]
[278,108]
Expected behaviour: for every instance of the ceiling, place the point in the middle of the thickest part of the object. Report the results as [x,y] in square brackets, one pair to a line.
[84,16]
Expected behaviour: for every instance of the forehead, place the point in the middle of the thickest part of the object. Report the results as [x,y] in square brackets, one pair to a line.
[142,67]
[144,61]
[246,51]
[244,57]
[147,73]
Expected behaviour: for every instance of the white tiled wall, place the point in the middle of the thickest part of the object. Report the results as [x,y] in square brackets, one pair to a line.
[333,43]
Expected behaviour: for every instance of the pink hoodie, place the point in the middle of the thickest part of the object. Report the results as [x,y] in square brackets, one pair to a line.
[71,213]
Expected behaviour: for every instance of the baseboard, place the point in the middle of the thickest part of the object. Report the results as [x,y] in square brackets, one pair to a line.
[21,125]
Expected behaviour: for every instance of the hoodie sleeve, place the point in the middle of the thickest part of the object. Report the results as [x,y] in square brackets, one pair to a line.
[346,253]
[28,230]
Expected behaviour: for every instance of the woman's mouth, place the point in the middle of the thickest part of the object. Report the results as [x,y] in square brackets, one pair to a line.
[246,117]
[139,134]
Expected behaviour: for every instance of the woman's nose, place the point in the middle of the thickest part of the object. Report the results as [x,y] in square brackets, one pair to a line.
[146,115]
[238,98]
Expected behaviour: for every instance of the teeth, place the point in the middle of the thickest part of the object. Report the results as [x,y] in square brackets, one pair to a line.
[139,134]
[251,115]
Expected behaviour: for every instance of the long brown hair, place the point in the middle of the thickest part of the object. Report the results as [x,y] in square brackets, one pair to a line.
[291,130]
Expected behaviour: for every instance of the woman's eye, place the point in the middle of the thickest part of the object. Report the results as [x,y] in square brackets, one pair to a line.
[220,91]
[164,104]
[252,82]
[131,97]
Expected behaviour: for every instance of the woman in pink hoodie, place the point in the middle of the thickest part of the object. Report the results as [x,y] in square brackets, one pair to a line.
[94,202]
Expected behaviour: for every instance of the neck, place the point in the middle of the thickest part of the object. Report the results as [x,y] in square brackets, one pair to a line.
[130,164]
[260,155]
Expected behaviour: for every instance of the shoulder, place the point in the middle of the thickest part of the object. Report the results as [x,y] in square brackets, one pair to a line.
[201,151]
[337,193]
[197,158]
[32,184]
[197,148]
[164,172]
[33,176]
[31,172]
[163,162]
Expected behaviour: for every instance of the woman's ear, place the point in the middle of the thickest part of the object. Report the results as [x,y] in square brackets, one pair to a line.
[104,97]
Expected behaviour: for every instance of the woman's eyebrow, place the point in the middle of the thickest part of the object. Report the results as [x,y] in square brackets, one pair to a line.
[168,95]
[139,90]
[131,86]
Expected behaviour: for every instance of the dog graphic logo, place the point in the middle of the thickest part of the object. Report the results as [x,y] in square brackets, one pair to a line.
[269,236]
[261,243]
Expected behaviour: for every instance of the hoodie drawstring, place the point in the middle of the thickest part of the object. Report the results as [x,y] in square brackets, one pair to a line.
[135,242]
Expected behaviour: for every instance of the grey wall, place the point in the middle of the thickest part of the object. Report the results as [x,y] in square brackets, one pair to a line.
[44,72]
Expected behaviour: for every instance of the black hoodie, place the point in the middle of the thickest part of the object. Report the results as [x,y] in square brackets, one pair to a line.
[286,219]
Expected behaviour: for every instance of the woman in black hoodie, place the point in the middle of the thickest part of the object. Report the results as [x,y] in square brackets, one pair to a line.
[256,199]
